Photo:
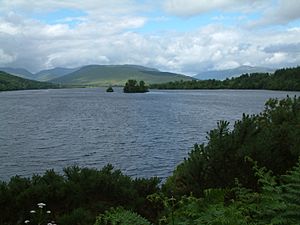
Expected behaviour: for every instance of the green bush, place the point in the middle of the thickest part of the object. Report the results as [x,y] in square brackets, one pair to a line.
[120,216]
[270,138]
[78,216]
[78,195]
[277,202]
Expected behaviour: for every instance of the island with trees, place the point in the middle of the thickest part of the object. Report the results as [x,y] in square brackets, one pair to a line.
[283,79]
[132,86]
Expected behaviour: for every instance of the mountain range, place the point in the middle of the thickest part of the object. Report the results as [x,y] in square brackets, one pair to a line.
[98,75]
[223,74]
[103,75]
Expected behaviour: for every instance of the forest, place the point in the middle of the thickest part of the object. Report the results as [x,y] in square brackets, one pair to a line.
[283,79]
[246,174]
[9,83]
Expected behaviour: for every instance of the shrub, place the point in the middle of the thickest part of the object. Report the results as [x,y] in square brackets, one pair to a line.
[120,216]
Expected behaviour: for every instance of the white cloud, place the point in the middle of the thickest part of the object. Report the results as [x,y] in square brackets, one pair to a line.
[277,57]
[8,28]
[38,46]
[106,35]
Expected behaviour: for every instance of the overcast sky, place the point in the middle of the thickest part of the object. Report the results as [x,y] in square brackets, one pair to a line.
[184,36]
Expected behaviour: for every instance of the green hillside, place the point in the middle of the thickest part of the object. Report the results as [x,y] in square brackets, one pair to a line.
[50,74]
[9,82]
[103,75]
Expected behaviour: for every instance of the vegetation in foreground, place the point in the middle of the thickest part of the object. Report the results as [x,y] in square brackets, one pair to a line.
[77,196]
[283,79]
[9,82]
[249,174]
[132,86]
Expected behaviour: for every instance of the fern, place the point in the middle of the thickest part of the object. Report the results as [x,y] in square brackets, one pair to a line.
[275,204]
[209,210]
[291,195]
[120,216]
[264,207]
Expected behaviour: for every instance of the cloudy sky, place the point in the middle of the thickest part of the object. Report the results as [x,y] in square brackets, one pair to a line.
[184,36]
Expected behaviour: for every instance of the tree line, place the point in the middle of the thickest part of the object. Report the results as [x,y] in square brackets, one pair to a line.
[283,79]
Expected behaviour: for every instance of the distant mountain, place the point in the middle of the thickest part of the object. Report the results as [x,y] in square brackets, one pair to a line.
[10,82]
[46,75]
[20,72]
[223,74]
[103,75]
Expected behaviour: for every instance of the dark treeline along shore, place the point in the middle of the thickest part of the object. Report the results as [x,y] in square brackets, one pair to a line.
[9,82]
[248,175]
[282,79]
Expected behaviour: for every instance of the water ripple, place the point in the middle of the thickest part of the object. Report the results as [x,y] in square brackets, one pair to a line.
[143,135]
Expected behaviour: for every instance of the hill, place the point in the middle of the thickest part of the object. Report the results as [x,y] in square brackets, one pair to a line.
[10,82]
[223,74]
[46,75]
[43,75]
[20,72]
[103,75]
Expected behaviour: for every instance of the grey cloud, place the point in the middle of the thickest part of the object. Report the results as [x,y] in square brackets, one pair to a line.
[197,7]
[281,13]
[6,58]
[287,48]
[278,12]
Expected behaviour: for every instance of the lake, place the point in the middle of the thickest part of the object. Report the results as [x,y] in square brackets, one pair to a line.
[144,135]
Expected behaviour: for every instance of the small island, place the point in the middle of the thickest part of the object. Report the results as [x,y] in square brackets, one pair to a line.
[132,86]
[110,89]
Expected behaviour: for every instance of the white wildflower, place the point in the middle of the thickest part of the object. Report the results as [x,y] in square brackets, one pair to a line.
[41,205]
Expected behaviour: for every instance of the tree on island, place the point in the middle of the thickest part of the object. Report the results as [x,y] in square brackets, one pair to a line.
[132,86]
[110,89]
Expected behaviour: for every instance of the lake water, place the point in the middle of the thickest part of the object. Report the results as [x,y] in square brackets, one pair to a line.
[141,134]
